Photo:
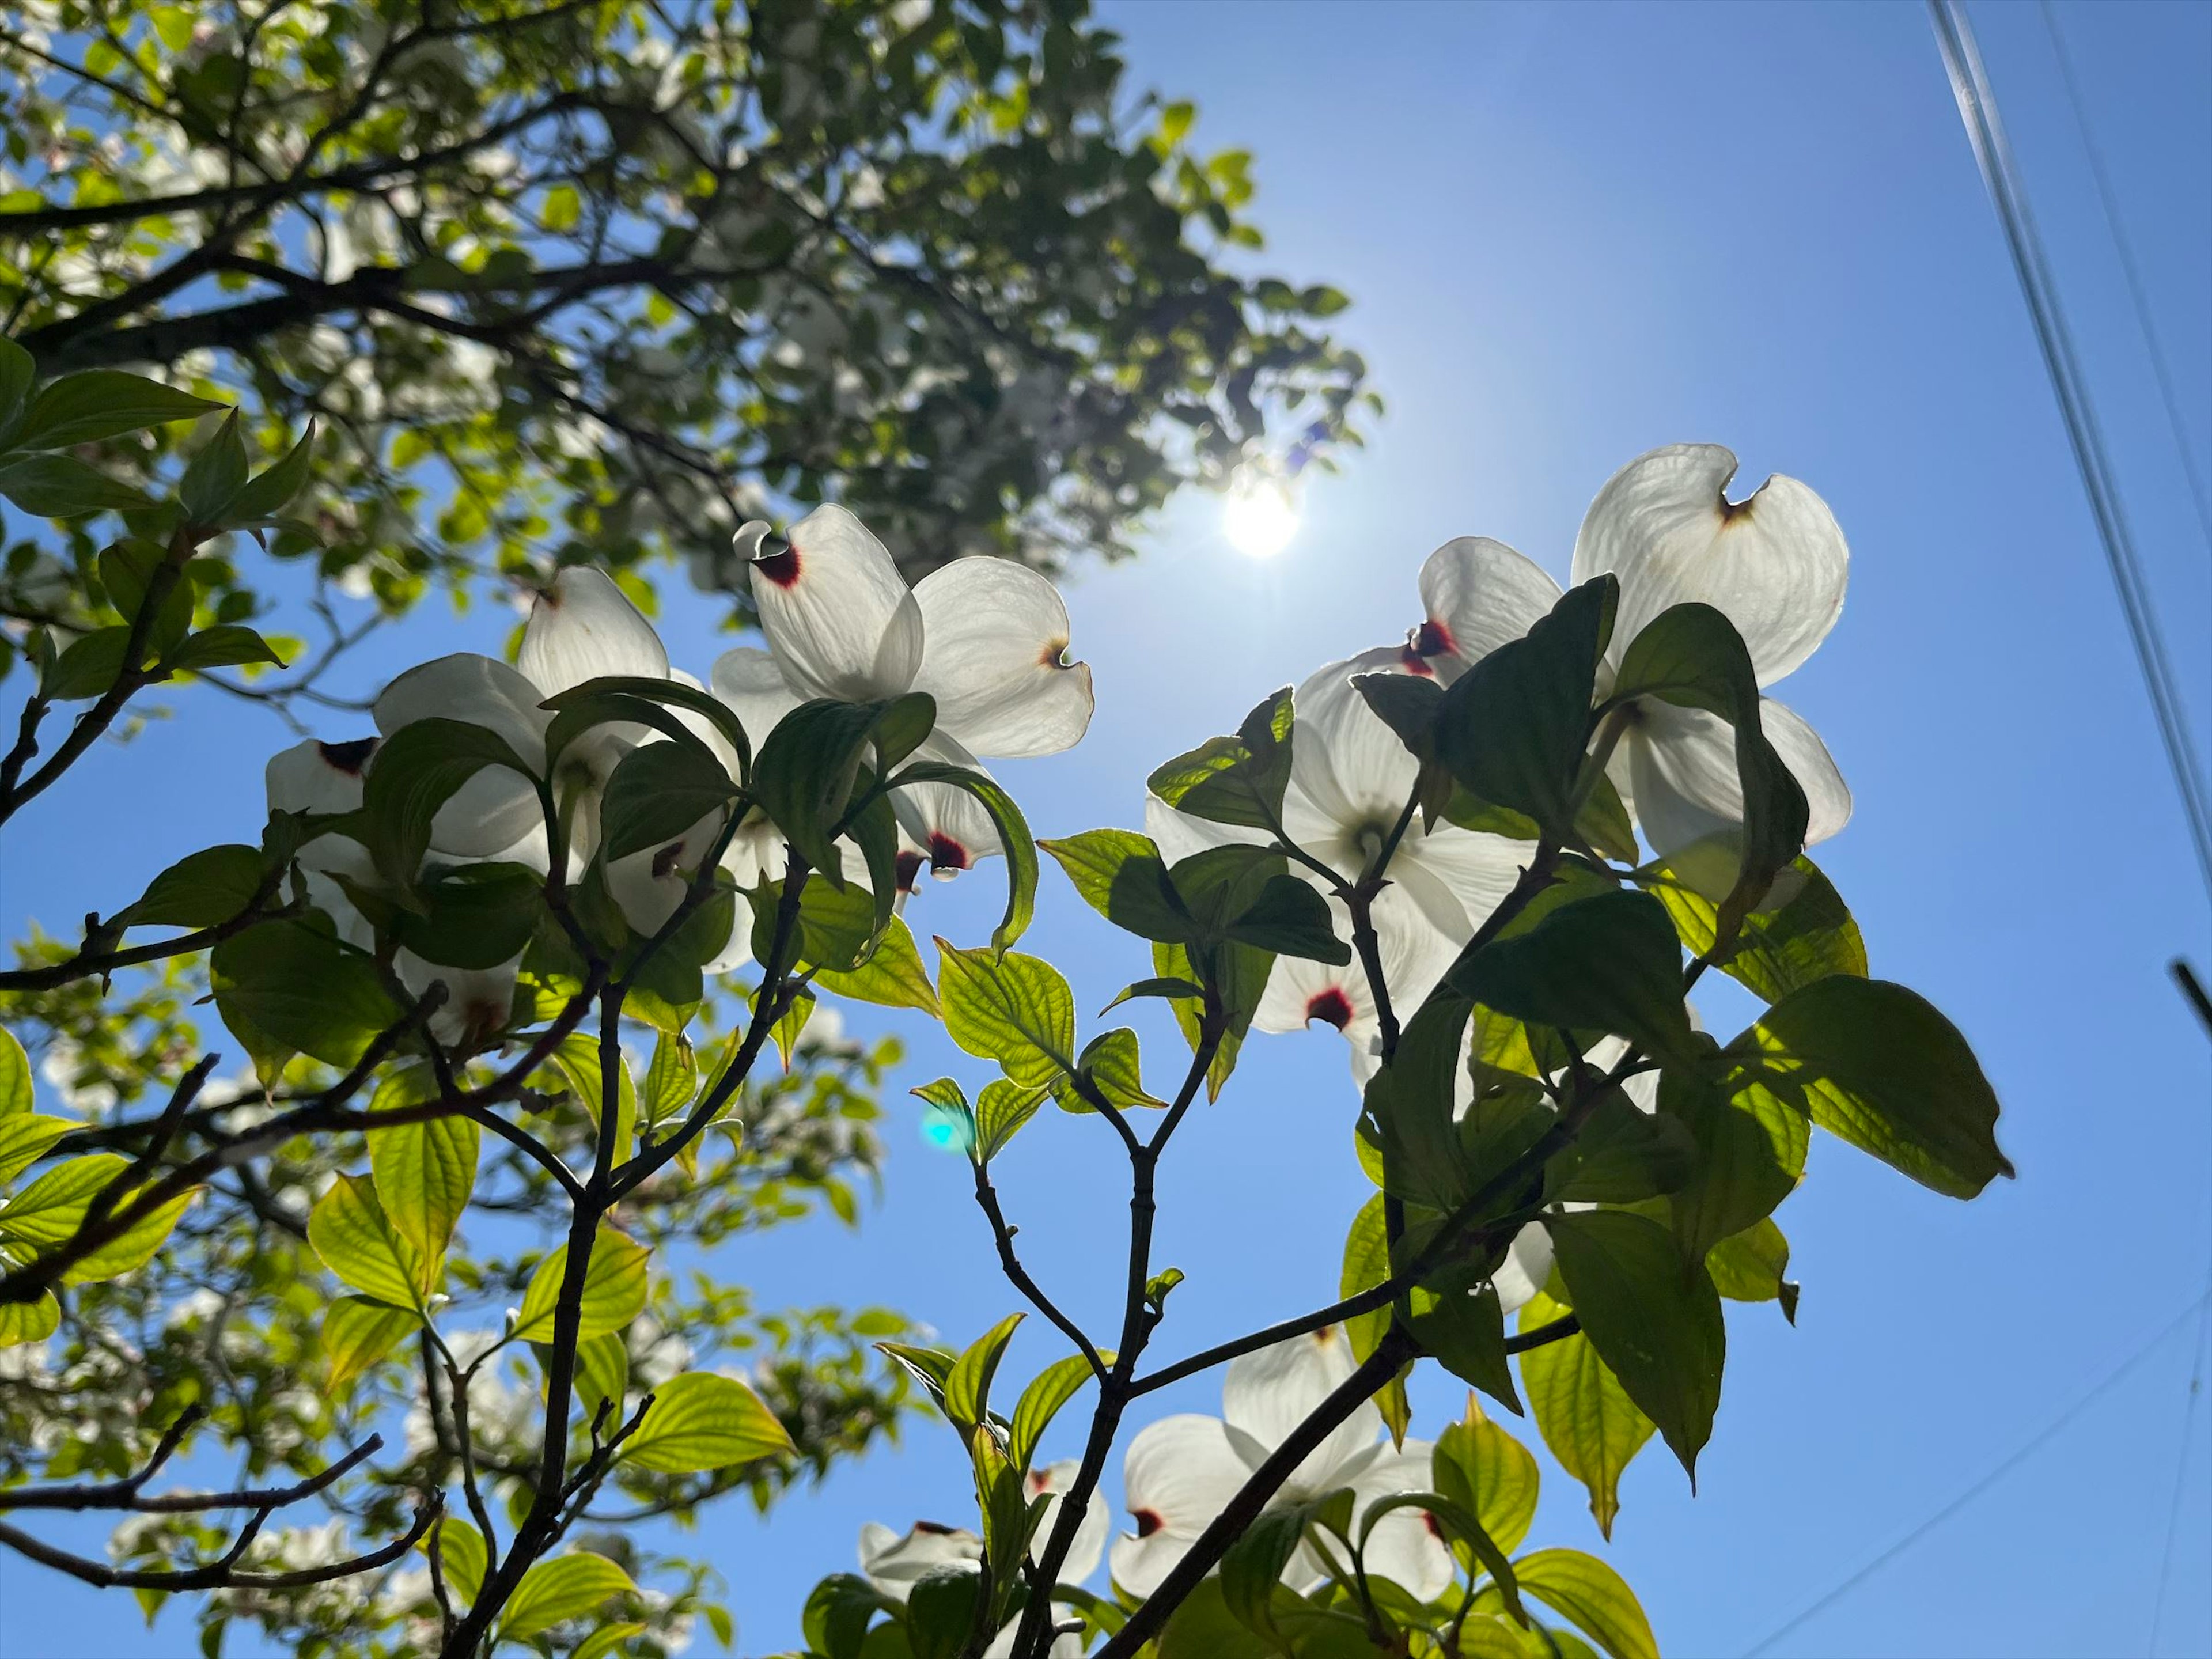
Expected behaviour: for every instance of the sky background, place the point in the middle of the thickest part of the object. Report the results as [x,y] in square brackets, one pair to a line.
[1573,233]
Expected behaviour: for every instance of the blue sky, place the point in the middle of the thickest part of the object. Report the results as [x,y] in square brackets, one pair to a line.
[1573,234]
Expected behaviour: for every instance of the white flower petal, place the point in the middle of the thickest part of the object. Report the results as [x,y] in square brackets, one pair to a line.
[584,628]
[751,681]
[945,822]
[1267,1394]
[1347,764]
[1301,992]
[319,777]
[837,611]
[648,886]
[1527,1265]
[478,1001]
[496,807]
[1089,1544]
[1405,1546]
[1179,836]
[1776,565]
[1828,797]
[1180,1473]
[892,1561]
[1476,868]
[994,633]
[1477,595]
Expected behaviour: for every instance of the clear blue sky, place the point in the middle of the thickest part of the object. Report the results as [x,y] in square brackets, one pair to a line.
[1573,233]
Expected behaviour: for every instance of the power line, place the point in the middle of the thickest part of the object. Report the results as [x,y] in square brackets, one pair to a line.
[2180,1470]
[1975,1491]
[1977,108]
[2137,295]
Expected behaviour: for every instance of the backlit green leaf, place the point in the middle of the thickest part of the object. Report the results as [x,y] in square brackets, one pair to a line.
[699,1420]
[614,1290]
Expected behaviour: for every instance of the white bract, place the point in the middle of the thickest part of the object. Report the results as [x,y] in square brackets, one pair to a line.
[1350,779]
[1775,564]
[986,637]
[1181,1471]
[892,1562]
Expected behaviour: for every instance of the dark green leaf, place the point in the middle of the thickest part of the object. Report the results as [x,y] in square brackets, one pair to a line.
[1653,1319]
[658,791]
[1237,779]
[294,982]
[201,890]
[1513,727]
[415,772]
[227,645]
[100,402]
[1610,963]
[63,487]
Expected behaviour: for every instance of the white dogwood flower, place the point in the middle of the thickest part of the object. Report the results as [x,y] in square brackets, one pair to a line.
[1350,780]
[892,1562]
[986,637]
[1775,564]
[1181,1471]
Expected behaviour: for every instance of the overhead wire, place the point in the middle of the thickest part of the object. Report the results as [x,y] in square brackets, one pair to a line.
[2138,294]
[2000,174]
[2020,1455]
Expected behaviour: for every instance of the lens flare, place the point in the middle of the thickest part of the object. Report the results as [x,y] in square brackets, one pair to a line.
[946,1129]
[1259,517]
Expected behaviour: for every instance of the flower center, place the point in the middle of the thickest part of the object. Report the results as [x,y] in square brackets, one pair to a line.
[1331,1007]
[781,568]
[1148,1522]
[1432,639]
[347,758]
[946,856]
[910,870]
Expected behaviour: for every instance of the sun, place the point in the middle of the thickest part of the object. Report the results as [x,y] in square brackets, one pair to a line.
[1259,517]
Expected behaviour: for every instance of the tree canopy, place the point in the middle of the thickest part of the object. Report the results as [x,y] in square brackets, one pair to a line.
[594,281]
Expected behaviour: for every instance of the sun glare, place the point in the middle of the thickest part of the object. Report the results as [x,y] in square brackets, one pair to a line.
[1259,518]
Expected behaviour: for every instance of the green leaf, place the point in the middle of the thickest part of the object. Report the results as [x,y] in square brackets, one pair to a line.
[1594,1596]
[359,1242]
[804,775]
[425,1172]
[215,473]
[1622,1154]
[612,698]
[63,487]
[417,770]
[265,496]
[553,1592]
[940,1612]
[1237,779]
[968,1385]
[1878,1066]
[1653,1319]
[225,645]
[672,1080]
[98,403]
[357,1332]
[578,1062]
[1485,1470]
[1252,1567]
[613,1291]
[25,1137]
[1051,1389]
[603,1376]
[1610,963]
[1366,1264]
[1409,1107]
[1014,840]
[836,925]
[29,1322]
[17,371]
[837,1613]
[1585,1416]
[1750,1155]
[88,668]
[1690,655]
[15,1075]
[1776,951]
[1290,919]
[1000,1110]
[699,1420]
[292,981]
[1012,1008]
[49,1210]
[606,1638]
[893,977]
[1121,875]
[462,1558]
[1749,1266]
[204,890]
[1512,729]
[474,916]
[1111,1063]
[1455,1316]
[658,791]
